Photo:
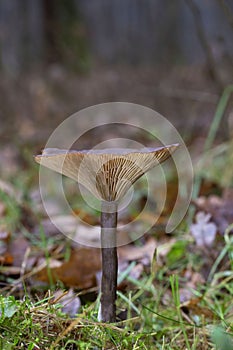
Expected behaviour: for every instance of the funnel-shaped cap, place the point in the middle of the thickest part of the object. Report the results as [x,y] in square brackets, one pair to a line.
[107,173]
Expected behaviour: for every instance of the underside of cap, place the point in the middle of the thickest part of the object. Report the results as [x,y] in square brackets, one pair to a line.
[108,174]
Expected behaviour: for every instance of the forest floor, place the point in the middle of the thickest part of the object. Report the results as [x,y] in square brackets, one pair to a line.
[174,290]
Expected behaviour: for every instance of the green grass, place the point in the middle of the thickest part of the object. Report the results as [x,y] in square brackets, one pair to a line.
[151,322]
[155,317]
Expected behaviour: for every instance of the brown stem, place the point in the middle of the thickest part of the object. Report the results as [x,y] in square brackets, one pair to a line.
[109,261]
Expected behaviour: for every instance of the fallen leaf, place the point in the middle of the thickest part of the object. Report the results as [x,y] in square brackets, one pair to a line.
[17,248]
[90,235]
[69,301]
[221,209]
[136,271]
[80,271]
[203,231]
[194,279]
[85,217]
[77,232]
[193,306]
[6,259]
[132,252]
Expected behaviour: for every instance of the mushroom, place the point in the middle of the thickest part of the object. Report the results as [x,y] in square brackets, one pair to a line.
[107,174]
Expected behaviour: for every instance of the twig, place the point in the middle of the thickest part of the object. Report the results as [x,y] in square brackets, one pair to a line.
[26,276]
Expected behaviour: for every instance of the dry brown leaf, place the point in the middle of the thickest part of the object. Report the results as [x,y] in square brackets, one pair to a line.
[85,217]
[6,259]
[17,248]
[193,306]
[80,271]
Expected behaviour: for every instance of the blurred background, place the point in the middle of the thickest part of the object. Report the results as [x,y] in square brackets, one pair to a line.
[58,57]
[174,56]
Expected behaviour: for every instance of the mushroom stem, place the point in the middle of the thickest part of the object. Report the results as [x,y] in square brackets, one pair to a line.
[109,261]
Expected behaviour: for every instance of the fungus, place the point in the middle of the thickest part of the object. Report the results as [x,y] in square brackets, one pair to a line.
[107,174]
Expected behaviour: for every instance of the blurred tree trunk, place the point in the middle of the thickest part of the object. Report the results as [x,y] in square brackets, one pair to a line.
[132,30]
[35,29]
[156,30]
[21,33]
[11,29]
[50,27]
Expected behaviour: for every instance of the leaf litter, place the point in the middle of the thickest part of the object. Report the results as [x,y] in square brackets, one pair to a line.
[80,270]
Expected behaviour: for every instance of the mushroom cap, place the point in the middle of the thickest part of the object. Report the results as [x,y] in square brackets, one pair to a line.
[107,173]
